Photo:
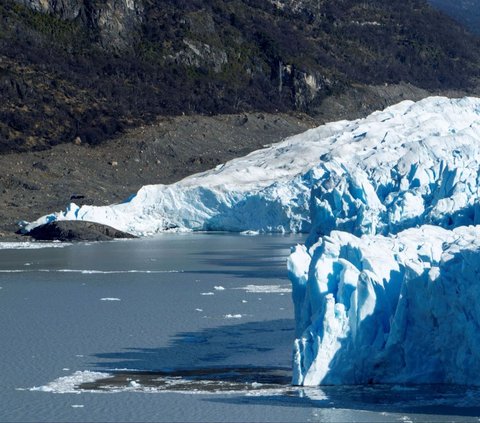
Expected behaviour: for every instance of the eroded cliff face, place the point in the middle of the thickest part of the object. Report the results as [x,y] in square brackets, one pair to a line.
[64,9]
[118,21]
[115,23]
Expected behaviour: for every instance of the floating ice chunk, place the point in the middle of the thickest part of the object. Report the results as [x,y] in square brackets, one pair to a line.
[110,299]
[219,288]
[250,233]
[69,384]
[267,289]
[233,316]
[134,384]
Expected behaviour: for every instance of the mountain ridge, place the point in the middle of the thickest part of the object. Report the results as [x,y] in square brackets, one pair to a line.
[85,70]
[466,12]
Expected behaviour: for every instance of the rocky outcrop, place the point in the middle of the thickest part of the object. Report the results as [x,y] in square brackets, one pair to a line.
[116,23]
[77,231]
[200,55]
[307,87]
[64,9]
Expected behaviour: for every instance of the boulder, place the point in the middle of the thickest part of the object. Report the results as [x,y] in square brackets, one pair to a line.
[76,231]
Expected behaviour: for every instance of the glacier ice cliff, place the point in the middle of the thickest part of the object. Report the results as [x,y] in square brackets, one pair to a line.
[397,309]
[410,164]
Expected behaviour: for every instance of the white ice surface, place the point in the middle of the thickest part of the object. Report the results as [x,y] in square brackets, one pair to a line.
[409,164]
[69,384]
[266,289]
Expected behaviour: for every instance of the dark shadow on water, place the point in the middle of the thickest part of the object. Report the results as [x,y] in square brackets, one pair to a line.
[219,359]
[208,348]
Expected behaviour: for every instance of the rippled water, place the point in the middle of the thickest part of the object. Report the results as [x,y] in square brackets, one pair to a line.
[185,327]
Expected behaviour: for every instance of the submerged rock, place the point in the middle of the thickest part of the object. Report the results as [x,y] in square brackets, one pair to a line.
[77,231]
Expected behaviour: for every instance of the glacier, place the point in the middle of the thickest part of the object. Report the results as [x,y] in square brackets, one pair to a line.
[410,164]
[386,287]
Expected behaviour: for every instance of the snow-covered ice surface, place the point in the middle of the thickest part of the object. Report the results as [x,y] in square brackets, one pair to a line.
[412,164]
[409,164]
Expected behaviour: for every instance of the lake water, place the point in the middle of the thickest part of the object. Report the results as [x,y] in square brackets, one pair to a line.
[181,327]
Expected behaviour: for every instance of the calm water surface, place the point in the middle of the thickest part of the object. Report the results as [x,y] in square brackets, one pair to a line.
[182,327]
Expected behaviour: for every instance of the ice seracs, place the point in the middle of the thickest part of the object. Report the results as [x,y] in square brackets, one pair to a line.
[410,164]
[400,309]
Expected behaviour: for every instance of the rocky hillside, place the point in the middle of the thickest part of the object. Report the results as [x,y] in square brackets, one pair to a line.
[466,12]
[83,70]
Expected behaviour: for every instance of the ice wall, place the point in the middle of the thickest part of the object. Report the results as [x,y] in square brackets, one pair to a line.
[401,309]
[386,288]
